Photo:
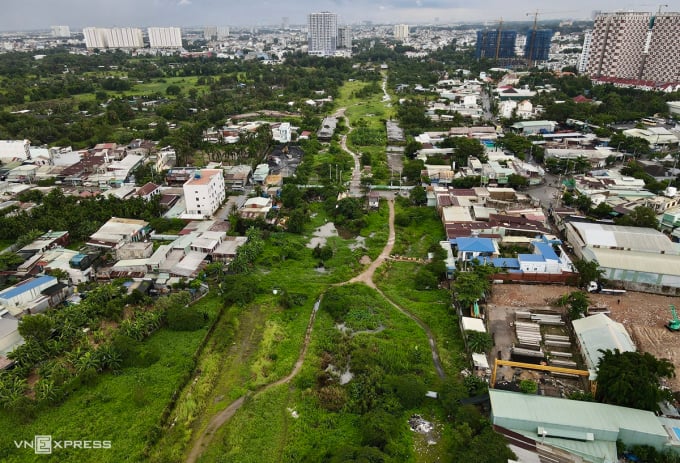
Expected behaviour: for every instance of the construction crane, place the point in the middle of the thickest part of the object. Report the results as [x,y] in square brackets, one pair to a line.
[535,14]
[674,324]
[531,366]
[498,39]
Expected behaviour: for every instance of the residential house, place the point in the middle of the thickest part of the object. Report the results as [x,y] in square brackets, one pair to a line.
[260,174]
[148,191]
[471,248]
[256,207]
[32,295]
[204,193]
[118,231]
[236,177]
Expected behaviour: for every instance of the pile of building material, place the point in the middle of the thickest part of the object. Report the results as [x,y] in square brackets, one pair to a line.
[528,334]
[554,340]
[547,319]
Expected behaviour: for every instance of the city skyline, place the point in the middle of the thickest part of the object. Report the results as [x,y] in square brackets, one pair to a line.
[35,14]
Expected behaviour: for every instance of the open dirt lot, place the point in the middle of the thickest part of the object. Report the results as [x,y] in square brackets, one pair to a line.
[644,315]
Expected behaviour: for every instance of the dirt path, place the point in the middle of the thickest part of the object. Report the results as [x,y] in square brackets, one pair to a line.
[355,182]
[225,415]
[365,277]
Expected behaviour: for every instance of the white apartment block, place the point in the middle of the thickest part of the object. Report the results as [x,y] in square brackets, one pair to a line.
[61,31]
[634,45]
[204,193]
[117,37]
[585,52]
[401,31]
[322,33]
[165,37]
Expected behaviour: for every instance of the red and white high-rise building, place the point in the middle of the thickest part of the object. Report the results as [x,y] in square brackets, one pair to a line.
[635,46]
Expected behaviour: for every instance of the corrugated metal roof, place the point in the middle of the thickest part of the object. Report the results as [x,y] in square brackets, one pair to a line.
[628,238]
[525,413]
[26,285]
[530,258]
[475,244]
[601,332]
[662,264]
[473,324]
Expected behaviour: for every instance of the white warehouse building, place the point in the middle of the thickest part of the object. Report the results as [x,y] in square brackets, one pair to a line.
[642,259]
[204,193]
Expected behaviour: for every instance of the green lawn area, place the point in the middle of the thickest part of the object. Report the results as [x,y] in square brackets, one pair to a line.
[124,408]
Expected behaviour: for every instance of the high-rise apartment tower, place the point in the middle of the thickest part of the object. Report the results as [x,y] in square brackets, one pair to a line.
[322,30]
[345,37]
[165,37]
[401,31]
[493,44]
[636,46]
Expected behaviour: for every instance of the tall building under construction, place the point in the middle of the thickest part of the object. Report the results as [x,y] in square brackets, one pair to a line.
[537,46]
[635,46]
[495,44]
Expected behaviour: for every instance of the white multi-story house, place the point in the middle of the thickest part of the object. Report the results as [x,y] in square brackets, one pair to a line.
[204,193]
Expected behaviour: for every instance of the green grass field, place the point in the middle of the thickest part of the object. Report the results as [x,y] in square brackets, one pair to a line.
[124,408]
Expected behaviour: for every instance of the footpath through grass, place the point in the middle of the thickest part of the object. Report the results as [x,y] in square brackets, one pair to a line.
[367,113]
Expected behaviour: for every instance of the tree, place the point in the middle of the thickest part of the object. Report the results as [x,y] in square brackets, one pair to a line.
[418,196]
[174,90]
[602,210]
[632,379]
[577,302]
[642,216]
[478,341]
[517,181]
[291,196]
[587,271]
[36,327]
[583,203]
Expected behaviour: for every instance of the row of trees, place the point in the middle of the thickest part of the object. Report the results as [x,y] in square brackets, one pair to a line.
[69,347]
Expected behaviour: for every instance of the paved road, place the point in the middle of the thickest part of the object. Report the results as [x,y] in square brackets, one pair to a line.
[547,192]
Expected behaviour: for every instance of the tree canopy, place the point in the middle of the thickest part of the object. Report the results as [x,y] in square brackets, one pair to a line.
[632,379]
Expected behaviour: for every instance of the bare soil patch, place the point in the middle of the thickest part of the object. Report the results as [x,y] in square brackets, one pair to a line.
[644,315]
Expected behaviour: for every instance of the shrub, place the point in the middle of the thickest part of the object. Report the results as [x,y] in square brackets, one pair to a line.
[185,318]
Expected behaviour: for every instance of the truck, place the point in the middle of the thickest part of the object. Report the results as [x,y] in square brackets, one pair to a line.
[596,287]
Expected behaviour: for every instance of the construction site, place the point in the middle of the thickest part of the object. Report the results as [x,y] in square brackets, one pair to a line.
[533,339]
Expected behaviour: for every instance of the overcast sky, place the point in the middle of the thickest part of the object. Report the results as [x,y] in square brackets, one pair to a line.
[40,14]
